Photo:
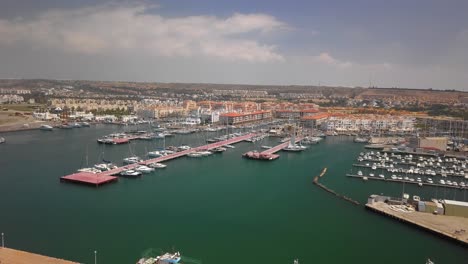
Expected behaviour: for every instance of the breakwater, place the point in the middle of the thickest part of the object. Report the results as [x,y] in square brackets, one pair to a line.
[316,182]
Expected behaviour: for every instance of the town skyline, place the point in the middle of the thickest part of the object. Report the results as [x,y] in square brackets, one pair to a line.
[300,43]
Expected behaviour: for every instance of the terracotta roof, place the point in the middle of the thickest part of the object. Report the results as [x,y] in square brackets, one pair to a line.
[315,117]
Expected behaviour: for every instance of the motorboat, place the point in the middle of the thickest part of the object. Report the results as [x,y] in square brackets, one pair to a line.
[218,150]
[2,140]
[90,170]
[105,166]
[46,128]
[156,154]
[157,165]
[144,169]
[131,173]
[359,173]
[131,160]
[205,153]
[184,147]
[194,155]
[166,258]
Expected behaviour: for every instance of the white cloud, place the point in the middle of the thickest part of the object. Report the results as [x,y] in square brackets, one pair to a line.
[326,58]
[131,28]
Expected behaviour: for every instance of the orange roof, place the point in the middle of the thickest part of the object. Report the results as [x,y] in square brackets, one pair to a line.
[315,117]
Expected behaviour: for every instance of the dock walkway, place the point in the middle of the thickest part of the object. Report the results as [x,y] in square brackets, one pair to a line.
[108,176]
[279,147]
[13,256]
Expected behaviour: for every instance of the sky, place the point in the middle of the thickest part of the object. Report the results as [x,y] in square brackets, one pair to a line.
[406,44]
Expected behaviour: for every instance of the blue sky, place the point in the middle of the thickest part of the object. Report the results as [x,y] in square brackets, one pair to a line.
[417,44]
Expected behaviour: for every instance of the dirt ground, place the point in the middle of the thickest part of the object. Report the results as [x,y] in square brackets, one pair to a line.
[12,256]
[11,122]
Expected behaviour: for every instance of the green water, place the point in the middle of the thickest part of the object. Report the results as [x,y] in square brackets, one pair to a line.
[219,209]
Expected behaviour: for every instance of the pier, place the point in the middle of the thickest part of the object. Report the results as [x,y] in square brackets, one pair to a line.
[406,181]
[268,154]
[108,176]
[279,147]
[452,227]
[13,256]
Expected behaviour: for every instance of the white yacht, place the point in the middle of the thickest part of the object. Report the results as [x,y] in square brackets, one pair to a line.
[46,128]
[131,173]
[131,160]
[105,166]
[144,169]
[205,153]
[90,170]
[194,155]
[184,147]
[156,154]
[157,165]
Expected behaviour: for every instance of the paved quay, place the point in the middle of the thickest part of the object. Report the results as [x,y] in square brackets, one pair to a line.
[452,227]
[13,256]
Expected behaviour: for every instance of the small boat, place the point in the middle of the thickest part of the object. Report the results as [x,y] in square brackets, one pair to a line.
[360,140]
[157,165]
[75,125]
[2,140]
[105,166]
[156,154]
[167,258]
[194,155]
[359,173]
[66,126]
[131,160]
[266,147]
[205,153]
[131,173]
[365,178]
[218,150]
[84,124]
[183,147]
[229,146]
[90,170]
[46,128]
[144,169]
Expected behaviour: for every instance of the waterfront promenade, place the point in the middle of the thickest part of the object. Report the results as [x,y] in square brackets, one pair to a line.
[13,256]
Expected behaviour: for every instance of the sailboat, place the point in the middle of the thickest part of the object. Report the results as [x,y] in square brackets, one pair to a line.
[90,170]
[292,146]
[132,159]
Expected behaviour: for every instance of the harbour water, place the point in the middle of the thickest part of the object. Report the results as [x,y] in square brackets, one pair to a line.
[217,209]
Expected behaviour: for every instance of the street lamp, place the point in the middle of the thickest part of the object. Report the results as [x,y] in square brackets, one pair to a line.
[95,256]
[3,242]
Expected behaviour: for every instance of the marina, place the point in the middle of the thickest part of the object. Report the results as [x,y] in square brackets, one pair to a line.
[269,153]
[107,176]
[195,202]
